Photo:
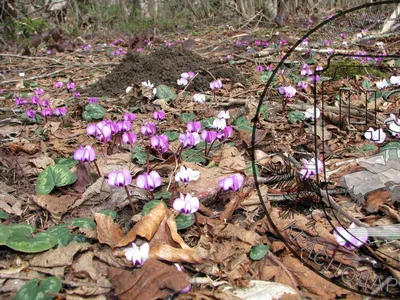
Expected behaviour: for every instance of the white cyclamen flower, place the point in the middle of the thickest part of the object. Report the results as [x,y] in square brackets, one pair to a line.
[128,89]
[394,125]
[375,136]
[182,81]
[382,84]
[187,175]
[310,113]
[199,98]
[224,114]
[138,255]
[219,124]
[395,80]
[148,84]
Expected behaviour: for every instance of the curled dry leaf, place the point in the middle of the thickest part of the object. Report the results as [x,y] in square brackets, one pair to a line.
[171,254]
[108,232]
[57,206]
[146,227]
[231,160]
[155,280]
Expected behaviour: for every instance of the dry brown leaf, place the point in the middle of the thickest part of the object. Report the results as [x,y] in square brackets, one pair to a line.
[10,204]
[171,254]
[231,160]
[59,257]
[57,206]
[84,264]
[171,223]
[108,232]
[146,227]
[42,162]
[102,286]
[229,231]
[155,280]
[208,295]
[376,199]
[21,144]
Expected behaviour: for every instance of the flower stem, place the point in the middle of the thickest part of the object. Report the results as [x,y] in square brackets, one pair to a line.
[205,149]
[97,167]
[130,200]
[196,220]
[148,160]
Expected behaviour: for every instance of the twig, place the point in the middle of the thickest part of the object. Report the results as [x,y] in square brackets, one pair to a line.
[40,76]
[277,261]
[33,58]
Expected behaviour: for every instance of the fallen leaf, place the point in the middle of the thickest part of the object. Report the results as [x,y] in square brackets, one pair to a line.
[57,206]
[108,232]
[59,257]
[264,290]
[146,227]
[175,255]
[84,264]
[231,160]
[10,204]
[376,199]
[154,280]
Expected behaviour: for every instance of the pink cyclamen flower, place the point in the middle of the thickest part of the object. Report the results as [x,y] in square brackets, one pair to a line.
[302,85]
[20,101]
[103,132]
[209,136]
[149,129]
[159,143]
[189,139]
[60,111]
[76,95]
[39,92]
[375,136]
[259,68]
[225,133]
[93,100]
[351,240]
[287,91]
[122,178]
[186,175]
[188,75]
[311,168]
[186,204]
[86,154]
[70,86]
[193,126]
[35,100]
[124,125]
[149,181]
[159,115]
[129,138]
[47,112]
[139,50]
[231,183]
[30,113]
[58,84]
[137,255]
[216,84]
[129,117]
[45,102]
[257,42]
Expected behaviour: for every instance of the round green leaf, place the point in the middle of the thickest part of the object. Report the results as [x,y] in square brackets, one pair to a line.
[172,135]
[31,244]
[184,221]
[140,154]
[112,214]
[162,195]
[55,175]
[164,92]
[187,117]
[150,205]
[191,155]
[4,234]
[207,123]
[295,116]
[4,215]
[62,234]
[93,111]
[84,223]
[243,124]
[366,84]
[32,291]
[68,162]
[258,251]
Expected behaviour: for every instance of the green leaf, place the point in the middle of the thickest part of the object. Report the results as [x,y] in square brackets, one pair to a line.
[310,61]
[4,234]
[191,155]
[250,170]
[62,234]
[366,84]
[187,117]
[150,205]
[266,75]
[55,175]
[140,154]
[172,135]
[243,124]
[373,97]
[9,95]
[295,116]
[264,111]
[112,214]
[164,92]
[391,145]
[398,63]
[258,251]
[184,221]
[32,291]
[84,223]
[68,162]
[93,111]
[21,239]
[207,123]
[4,215]
[162,195]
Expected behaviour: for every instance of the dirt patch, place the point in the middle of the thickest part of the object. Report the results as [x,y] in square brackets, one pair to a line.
[163,66]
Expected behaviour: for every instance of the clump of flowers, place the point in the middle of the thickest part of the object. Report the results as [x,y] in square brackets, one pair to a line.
[70,86]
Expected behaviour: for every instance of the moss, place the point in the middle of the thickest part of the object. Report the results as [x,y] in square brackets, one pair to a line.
[350,68]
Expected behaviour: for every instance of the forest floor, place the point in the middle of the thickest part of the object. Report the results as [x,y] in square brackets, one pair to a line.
[66,225]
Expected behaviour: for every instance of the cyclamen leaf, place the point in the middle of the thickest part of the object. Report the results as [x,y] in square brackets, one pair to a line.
[188,117]
[93,111]
[295,116]
[184,221]
[150,205]
[84,223]
[164,92]
[54,175]
[258,251]
[45,291]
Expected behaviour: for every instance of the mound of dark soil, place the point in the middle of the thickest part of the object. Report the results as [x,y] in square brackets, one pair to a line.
[163,66]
